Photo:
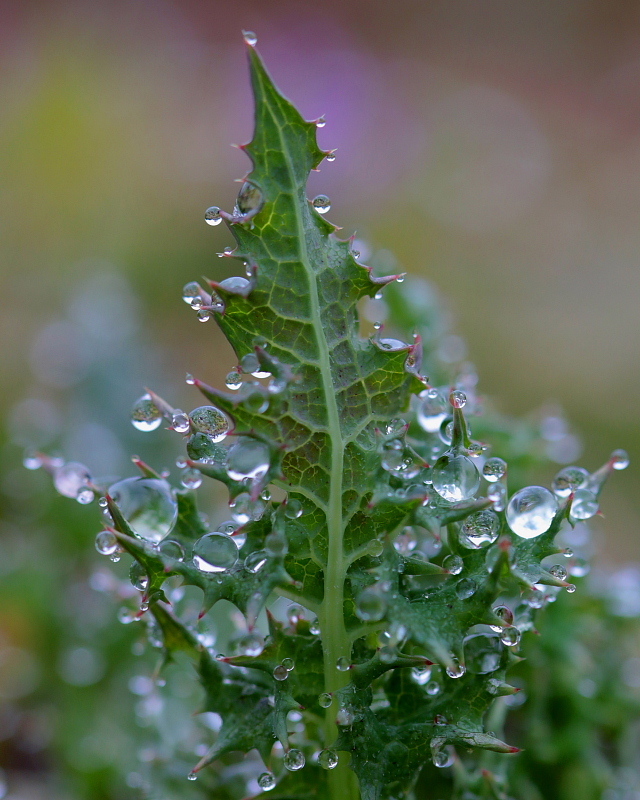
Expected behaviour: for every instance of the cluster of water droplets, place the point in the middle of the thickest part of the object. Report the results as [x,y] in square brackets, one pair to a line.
[204,303]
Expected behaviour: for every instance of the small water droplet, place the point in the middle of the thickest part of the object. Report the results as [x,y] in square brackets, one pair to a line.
[288,664]
[453,564]
[321,122]
[294,760]
[531,511]
[375,548]
[215,552]
[584,504]
[456,669]
[505,614]
[255,561]
[619,459]
[189,379]
[466,589]
[233,380]
[458,399]
[192,294]
[433,688]
[85,496]
[494,469]
[71,478]
[321,203]
[568,480]
[212,216]
[180,421]
[328,759]
[455,477]
[400,279]
[330,157]
[249,644]
[191,479]
[192,776]
[510,636]
[250,38]
[421,675]
[558,571]
[325,700]
[570,588]
[32,461]
[370,605]
[443,758]
[343,664]
[498,496]
[293,509]
[479,529]
[106,543]
[280,673]
[314,628]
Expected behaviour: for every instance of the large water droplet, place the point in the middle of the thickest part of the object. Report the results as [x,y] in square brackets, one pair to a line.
[455,669]
[392,345]
[145,415]
[531,511]
[443,758]
[458,398]
[370,605]
[245,509]
[619,459]
[70,479]
[432,410]
[255,561]
[466,588]
[343,664]
[494,469]
[321,203]
[147,504]
[328,759]
[249,644]
[294,760]
[453,564]
[455,477]
[584,504]
[568,480]
[192,294]
[325,700]
[248,458]
[479,529]
[210,421]
[106,543]
[215,552]
[249,198]
[280,673]
[510,636]
[266,782]
[233,380]
[212,216]
[180,421]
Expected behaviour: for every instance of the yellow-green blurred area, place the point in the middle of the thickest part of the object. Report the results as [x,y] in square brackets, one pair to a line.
[493,147]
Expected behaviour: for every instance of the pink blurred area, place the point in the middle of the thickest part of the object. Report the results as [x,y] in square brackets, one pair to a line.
[493,146]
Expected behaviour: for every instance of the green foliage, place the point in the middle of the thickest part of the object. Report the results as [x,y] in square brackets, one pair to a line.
[355,494]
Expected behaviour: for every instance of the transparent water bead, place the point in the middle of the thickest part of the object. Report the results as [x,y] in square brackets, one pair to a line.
[505,614]
[455,669]
[584,504]
[443,758]
[145,414]
[180,421]
[466,589]
[267,782]
[482,653]
[233,380]
[293,509]
[321,203]
[252,40]
[280,673]
[433,688]
[330,157]
[568,480]
[421,675]
[480,529]
[510,636]
[138,576]
[255,561]
[343,664]
[212,216]
[325,700]
[558,571]
[432,410]
[147,504]
[249,198]
[171,550]
[453,564]
[321,122]
[370,605]
[455,477]
[531,511]
[248,458]
[192,295]
[391,344]
[245,509]
[191,479]
[106,543]
[458,399]
[328,759]
[70,479]
[494,469]
[210,421]
[234,284]
[249,644]
[294,760]
[498,496]
[215,552]
[192,776]
[619,459]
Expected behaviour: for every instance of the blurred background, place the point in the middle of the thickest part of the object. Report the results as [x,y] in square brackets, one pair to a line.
[493,147]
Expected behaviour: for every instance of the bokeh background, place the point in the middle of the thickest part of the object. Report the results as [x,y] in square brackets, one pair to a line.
[493,147]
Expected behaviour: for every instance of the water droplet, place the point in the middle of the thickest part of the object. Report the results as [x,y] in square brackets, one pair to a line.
[171,550]
[321,203]
[400,279]
[248,458]
[252,40]
[249,200]
[314,628]
[321,122]
[294,760]
[535,598]
[568,480]
[191,479]
[192,294]
[245,509]
[330,157]
[483,653]
[192,776]
[558,571]
[619,459]
[288,664]
[325,700]
[431,411]
[570,588]
[180,421]
[505,614]
[421,675]
[455,477]
[70,479]
[295,613]
[458,399]
[494,469]
[443,758]
[85,496]
[584,504]
[106,543]
[255,561]
[375,548]
[343,664]
[466,589]
[433,688]
[531,511]
[510,636]
[328,759]
[212,216]
[479,529]
[235,284]
[370,605]
[147,504]
[203,316]
[233,381]
[210,421]
[456,669]
[498,496]
[280,673]
[138,576]
[392,345]
[215,552]
[440,720]
[453,564]
[249,644]
[293,509]
[275,544]
[579,567]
